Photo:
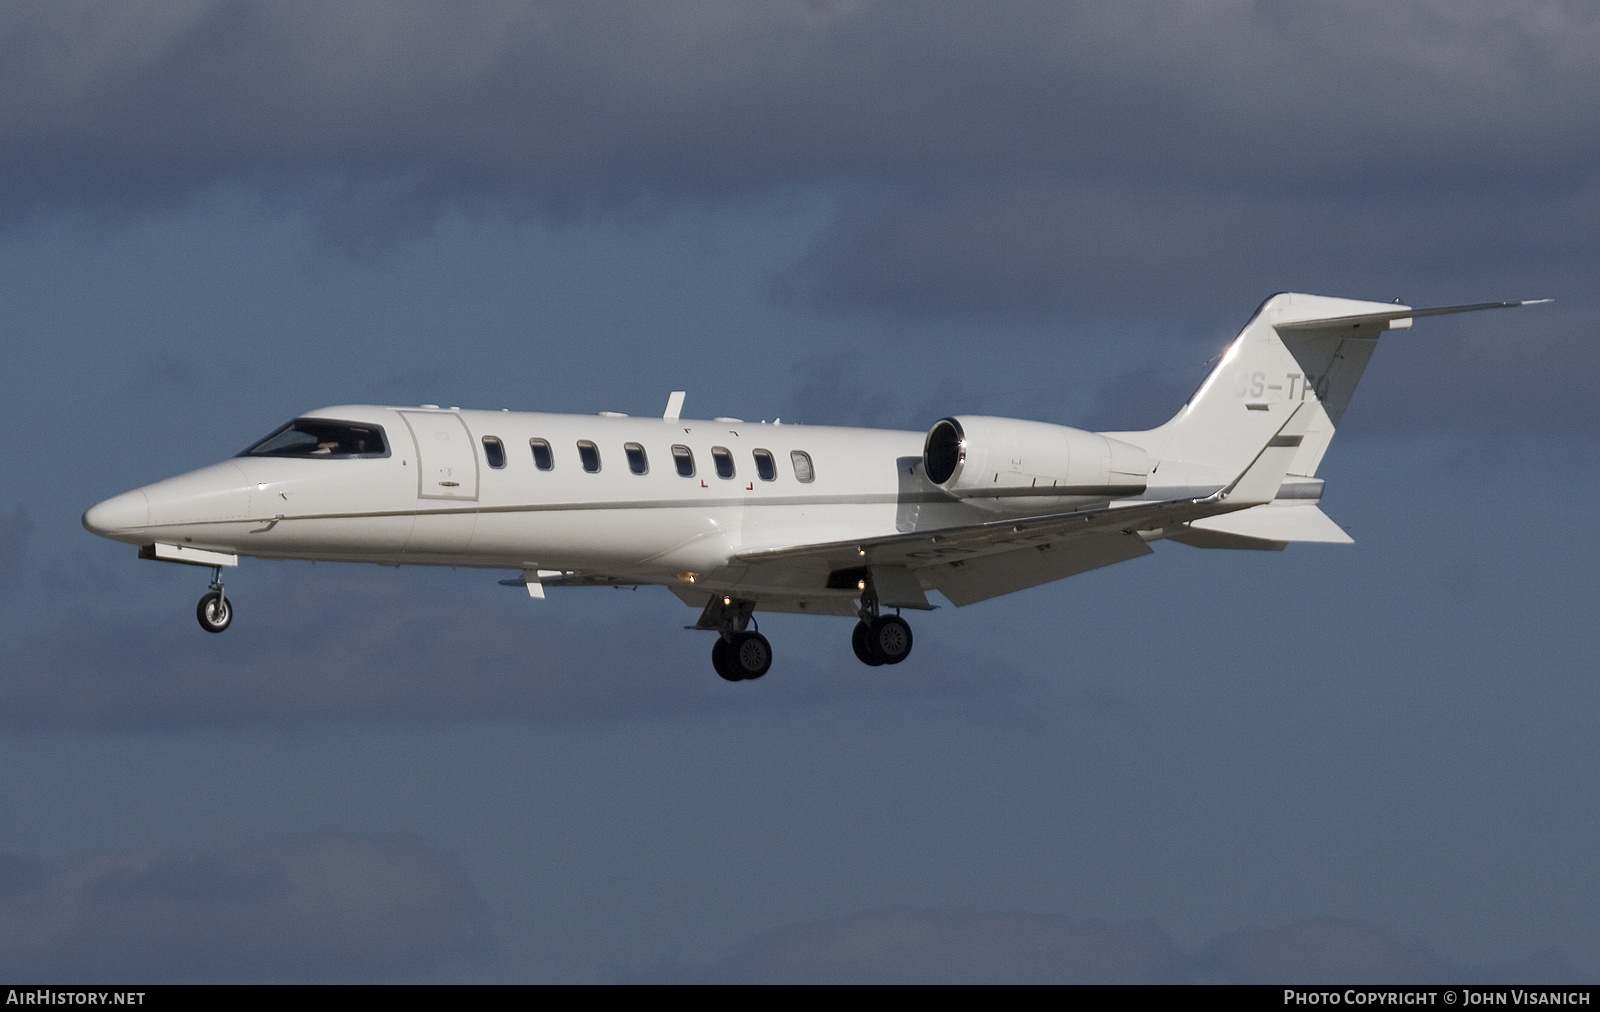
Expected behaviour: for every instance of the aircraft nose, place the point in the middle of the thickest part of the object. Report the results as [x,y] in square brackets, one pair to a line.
[119,513]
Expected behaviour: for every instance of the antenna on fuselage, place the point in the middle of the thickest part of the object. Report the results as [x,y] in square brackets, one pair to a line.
[674,406]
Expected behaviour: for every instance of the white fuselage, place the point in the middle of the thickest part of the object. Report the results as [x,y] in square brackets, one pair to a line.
[435,499]
[735,516]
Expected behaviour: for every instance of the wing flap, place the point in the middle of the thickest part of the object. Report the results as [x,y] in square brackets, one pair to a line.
[918,549]
[969,581]
[979,561]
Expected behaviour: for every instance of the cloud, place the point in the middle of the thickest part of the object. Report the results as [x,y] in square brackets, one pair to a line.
[333,907]
[1133,249]
[690,95]
[924,947]
[1341,952]
[1129,159]
[389,113]
[368,647]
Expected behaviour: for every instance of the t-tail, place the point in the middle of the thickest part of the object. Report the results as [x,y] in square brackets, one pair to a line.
[1254,433]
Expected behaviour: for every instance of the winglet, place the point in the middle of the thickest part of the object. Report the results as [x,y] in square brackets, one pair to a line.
[674,406]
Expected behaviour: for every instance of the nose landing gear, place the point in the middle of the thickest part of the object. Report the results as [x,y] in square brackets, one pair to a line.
[214,611]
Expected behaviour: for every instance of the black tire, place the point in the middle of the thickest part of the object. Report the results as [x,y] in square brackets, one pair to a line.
[863,649]
[722,660]
[890,638]
[750,655]
[214,612]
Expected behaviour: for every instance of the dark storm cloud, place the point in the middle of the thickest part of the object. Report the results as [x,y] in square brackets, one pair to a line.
[388,112]
[326,908]
[696,95]
[919,947]
[996,159]
[369,648]
[1126,248]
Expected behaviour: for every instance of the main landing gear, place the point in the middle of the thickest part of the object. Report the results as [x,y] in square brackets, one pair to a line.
[742,656]
[739,654]
[879,639]
[214,611]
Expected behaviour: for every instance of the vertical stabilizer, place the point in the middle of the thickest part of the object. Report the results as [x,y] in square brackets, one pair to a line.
[1275,398]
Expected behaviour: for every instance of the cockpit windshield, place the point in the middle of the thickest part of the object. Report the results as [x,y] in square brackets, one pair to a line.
[322,437]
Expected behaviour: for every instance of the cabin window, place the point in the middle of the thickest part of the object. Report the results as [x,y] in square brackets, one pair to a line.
[638,463]
[683,460]
[543,459]
[766,470]
[495,451]
[723,460]
[802,465]
[590,455]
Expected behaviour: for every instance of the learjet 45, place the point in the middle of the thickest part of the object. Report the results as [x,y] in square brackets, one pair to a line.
[737,518]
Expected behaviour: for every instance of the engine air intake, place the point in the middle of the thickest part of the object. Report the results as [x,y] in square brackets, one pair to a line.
[944,450]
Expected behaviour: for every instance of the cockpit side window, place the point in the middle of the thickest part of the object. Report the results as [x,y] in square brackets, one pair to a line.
[322,438]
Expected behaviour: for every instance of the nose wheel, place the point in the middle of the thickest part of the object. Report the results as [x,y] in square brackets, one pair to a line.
[214,611]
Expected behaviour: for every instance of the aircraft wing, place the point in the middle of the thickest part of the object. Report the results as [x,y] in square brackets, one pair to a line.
[975,562]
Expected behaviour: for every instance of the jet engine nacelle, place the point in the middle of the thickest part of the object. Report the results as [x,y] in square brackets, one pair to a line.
[1034,464]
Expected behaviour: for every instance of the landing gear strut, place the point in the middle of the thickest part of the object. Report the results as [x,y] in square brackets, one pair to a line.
[739,654]
[214,611]
[879,639]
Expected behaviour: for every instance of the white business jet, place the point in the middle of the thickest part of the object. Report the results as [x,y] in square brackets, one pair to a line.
[736,518]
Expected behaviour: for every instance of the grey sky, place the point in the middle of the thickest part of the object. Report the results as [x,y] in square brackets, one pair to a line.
[1201,764]
[902,947]
[331,906]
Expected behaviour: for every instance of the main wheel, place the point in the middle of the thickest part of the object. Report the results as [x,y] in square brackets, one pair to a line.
[214,612]
[750,655]
[722,660]
[863,649]
[889,637]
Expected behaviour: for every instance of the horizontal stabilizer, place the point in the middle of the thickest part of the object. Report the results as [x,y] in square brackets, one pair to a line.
[1303,522]
[1401,315]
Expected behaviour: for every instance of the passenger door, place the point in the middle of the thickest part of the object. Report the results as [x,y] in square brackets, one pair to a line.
[447,466]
